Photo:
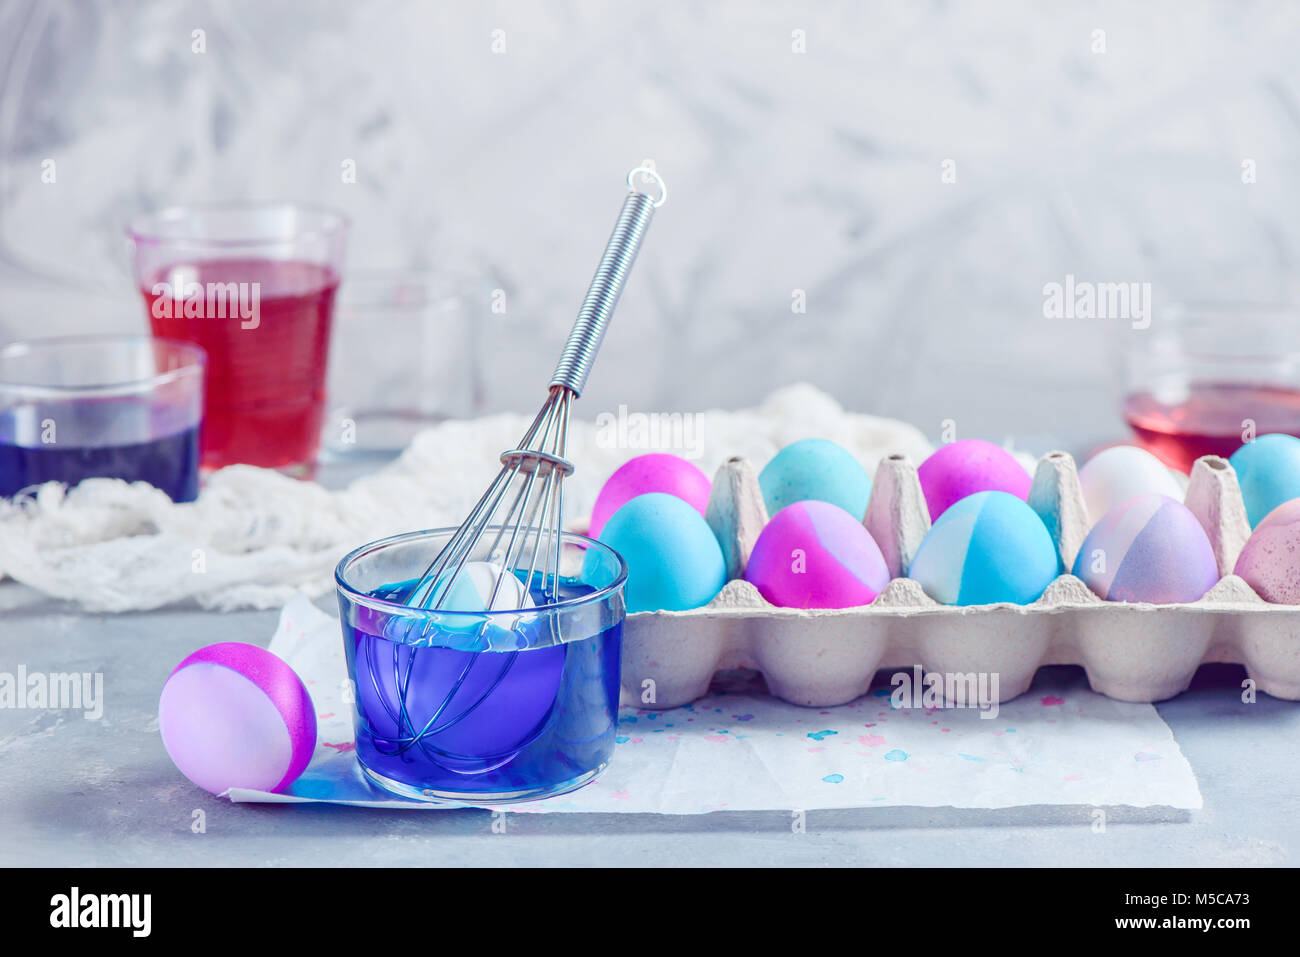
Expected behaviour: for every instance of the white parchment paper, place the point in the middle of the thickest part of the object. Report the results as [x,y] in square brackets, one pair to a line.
[740,749]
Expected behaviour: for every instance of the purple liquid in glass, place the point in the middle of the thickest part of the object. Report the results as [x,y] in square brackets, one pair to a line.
[71,441]
[484,722]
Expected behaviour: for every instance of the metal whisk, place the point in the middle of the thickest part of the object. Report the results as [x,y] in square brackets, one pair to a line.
[530,530]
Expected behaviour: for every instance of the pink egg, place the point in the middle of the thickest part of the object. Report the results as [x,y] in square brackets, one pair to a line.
[963,468]
[235,715]
[1270,562]
[655,472]
[816,555]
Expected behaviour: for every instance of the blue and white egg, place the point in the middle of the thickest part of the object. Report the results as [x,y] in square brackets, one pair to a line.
[986,548]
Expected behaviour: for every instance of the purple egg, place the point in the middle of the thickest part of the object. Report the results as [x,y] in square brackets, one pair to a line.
[816,555]
[1148,549]
[1270,562]
[655,472]
[235,715]
[963,468]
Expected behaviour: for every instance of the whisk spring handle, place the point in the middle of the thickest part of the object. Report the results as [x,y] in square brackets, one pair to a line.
[606,286]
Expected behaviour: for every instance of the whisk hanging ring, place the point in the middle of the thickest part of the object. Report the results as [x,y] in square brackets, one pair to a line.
[648,172]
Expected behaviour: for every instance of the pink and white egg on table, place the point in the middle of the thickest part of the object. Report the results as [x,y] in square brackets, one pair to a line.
[235,715]
[1148,549]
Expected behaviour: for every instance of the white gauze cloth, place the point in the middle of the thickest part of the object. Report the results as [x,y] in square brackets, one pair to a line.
[254,537]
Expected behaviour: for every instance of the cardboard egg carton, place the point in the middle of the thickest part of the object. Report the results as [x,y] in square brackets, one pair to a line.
[820,658]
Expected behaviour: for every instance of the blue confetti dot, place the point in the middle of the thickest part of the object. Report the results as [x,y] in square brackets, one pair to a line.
[833,778]
[622,739]
[821,735]
[897,755]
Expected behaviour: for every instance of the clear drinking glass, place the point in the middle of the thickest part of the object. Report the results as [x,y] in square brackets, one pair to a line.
[412,333]
[78,407]
[1207,376]
[254,285]
[482,707]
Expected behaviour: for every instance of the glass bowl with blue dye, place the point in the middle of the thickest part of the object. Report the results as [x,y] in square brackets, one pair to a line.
[101,406]
[482,707]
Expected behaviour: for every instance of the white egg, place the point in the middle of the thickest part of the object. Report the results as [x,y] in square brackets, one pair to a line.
[1115,475]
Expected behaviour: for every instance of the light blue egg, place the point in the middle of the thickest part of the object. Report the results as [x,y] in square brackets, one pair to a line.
[673,559]
[818,470]
[987,548]
[1268,470]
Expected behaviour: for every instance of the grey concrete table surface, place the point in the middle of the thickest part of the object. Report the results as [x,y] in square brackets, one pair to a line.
[75,791]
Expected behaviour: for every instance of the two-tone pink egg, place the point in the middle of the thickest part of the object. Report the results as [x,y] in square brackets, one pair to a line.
[816,555]
[235,715]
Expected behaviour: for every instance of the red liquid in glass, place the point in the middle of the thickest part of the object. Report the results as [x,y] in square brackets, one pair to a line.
[1209,421]
[264,391]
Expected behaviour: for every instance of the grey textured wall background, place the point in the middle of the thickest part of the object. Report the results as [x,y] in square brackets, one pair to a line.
[816,171]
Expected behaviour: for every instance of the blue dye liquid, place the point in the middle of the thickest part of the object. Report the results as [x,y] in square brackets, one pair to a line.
[518,723]
[94,440]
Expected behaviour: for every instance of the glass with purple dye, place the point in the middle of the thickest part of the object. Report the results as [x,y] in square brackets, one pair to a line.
[80,407]
[482,707]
